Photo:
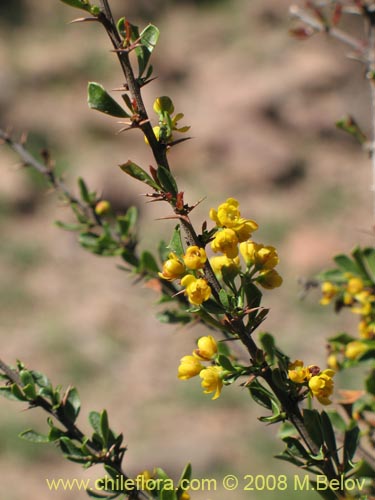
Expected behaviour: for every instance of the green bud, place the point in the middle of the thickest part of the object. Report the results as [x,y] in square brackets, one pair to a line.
[163,103]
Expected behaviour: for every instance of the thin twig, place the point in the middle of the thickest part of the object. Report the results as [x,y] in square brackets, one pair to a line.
[73,431]
[317,25]
[29,160]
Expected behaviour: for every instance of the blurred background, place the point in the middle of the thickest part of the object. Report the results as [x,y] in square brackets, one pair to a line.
[262,107]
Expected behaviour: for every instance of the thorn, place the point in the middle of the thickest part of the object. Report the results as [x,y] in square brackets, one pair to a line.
[82,20]
[23,138]
[178,141]
[168,217]
[124,129]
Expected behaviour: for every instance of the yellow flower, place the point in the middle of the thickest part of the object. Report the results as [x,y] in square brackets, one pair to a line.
[329,290]
[366,329]
[263,257]
[103,207]
[185,496]
[321,386]
[195,257]
[173,268]
[332,362]
[207,348]
[298,373]
[197,290]
[211,380]
[228,215]
[269,279]
[354,286]
[189,367]
[364,300]
[226,242]
[355,349]
[232,266]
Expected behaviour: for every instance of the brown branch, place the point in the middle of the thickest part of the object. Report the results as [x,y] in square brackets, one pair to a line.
[317,25]
[159,150]
[73,431]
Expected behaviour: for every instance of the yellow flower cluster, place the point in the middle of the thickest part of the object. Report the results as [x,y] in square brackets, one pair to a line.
[196,288]
[232,238]
[319,382]
[358,297]
[212,376]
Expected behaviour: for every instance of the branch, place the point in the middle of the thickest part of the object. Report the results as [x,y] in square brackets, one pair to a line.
[73,432]
[29,160]
[159,150]
[313,22]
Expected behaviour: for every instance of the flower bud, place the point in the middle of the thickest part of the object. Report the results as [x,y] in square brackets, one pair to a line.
[103,207]
[163,103]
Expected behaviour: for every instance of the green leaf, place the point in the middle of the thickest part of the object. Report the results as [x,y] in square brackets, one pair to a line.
[138,173]
[174,317]
[260,394]
[346,264]
[72,404]
[369,256]
[360,261]
[329,436]
[70,449]
[276,416]
[225,362]
[333,275]
[55,434]
[337,421]
[253,295]
[268,344]
[160,473]
[84,192]
[148,263]
[129,257]
[99,99]
[168,494]
[341,338]
[286,430]
[7,393]
[224,299]
[175,245]
[148,38]
[94,419]
[313,425]
[104,426]
[17,393]
[349,125]
[184,478]
[114,473]
[33,436]
[351,440]
[296,448]
[167,180]
[212,307]
[93,494]
[370,382]
[78,4]
[40,379]
[29,391]
[26,377]
[70,227]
